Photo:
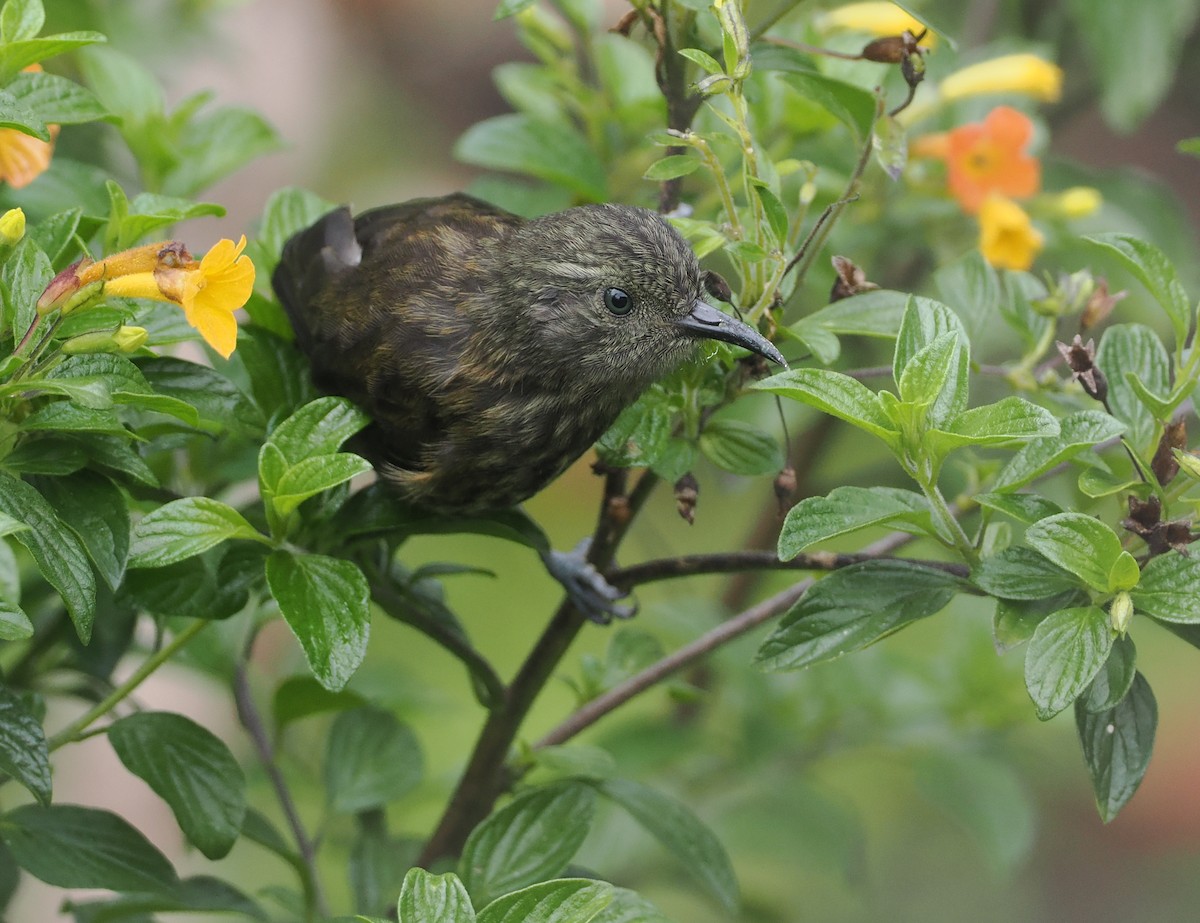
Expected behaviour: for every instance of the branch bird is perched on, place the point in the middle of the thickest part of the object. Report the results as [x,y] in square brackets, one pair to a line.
[491,351]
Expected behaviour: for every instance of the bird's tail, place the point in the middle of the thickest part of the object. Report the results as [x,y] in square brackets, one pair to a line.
[309,258]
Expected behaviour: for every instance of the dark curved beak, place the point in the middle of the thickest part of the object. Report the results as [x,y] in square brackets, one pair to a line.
[706,321]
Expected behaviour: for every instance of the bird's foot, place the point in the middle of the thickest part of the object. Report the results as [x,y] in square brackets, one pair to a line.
[586,587]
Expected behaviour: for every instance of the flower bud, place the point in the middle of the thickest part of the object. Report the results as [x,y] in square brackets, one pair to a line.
[122,340]
[12,227]
[1120,612]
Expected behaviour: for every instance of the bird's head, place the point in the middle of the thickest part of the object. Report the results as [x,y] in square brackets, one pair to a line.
[617,294]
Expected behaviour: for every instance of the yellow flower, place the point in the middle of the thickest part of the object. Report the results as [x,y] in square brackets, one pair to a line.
[1007,237]
[1077,202]
[209,291]
[873,18]
[1015,73]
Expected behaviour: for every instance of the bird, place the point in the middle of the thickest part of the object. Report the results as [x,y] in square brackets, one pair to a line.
[490,350]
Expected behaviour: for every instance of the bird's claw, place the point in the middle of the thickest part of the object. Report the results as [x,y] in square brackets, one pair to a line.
[586,587]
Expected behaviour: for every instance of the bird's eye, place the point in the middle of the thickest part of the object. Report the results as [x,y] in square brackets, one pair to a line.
[618,301]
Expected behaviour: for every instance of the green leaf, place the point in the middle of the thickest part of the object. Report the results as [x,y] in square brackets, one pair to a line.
[706,61]
[889,141]
[1111,684]
[287,211]
[92,507]
[216,144]
[17,116]
[630,907]
[847,509]
[551,151]
[314,475]
[148,212]
[929,370]
[1077,433]
[1022,573]
[1133,57]
[773,209]
[56,100]
[14,623]
[567,900]
[531,839]
[1080,544]
[325,602]
[673,824]
[1133,350]
[191,770]
[836,394]
[640,434]
[673,166]
[511,8]
[1169,589]
[56,235]
[23,278]
[972,286]
[17,55]
[75,847]
[876,313]
[199,894]
[124,383]
[124,86]
[1024,508]
[1189,146]
[852,608]
[916,359]
[1117,744]
[23,753]
[187,527]
[300,696]
[318,428]
[853,106]
[371,759]
[1152,268]
[426,898]
[58,553]
[740,448]
[1009,420]
[1066,651]
[21,20]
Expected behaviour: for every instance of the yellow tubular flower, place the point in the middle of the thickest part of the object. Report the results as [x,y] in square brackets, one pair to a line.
[873,18]
[1015,73]
[1007,237]
[209,291]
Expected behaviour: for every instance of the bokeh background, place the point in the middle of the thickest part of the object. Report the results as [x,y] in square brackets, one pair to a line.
[910,782]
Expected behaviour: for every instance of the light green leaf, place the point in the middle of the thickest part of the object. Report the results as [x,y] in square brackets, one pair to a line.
[371,759]
[17,55]
[851,105]
[1080,544]
[21,20]
[1077,433]
[1024,508]
[14,623]
[551,151]
[674,825]
[426,898]
[673,166]
[531,839]
[23,753]
[214,145]
[1022,573]
[1133,350]
[1152,268]
[1169,589]
[313,475]
[1117,744]
[877,313]
[1066,651]
[1009,420]
[566,900]
[846,509]
[187,527]
[317,428]
[191,770]
[852,608]
[835,394]
[925,323]
[75,847]
[14,114]
[55,100]
[706,61]
[325,602]
[740,448]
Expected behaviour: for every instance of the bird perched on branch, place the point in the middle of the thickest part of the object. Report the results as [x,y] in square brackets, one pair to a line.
[490,350]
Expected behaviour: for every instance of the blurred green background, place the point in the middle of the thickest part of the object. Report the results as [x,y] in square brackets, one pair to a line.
[907,782]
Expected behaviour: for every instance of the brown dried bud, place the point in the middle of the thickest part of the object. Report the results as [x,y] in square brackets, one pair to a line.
[851,280]
[1081,360]
[618,510]
[687,491]
[1164,465]
[1144,515]
[715,285]
[1178,534]
[1099,305]
[1145,520]
[785,488]
[893,49]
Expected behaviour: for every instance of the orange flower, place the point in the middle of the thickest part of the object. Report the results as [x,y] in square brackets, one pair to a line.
[1007,237]
[23,158]
[988,158]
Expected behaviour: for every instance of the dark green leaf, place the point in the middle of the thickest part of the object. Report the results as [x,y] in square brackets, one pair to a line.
[531,839]
[1022,573]
[551,151]
[59,554]
[1067,649]
[852,608]
[674,825]
[149,212]
[92,507]
[311,476]
[324,601]
[1024,508]
[56,235]
[56,100]
[426,898]
[371,759]
[23,278]
[199,894]
[776,214]
[846,509]
[630,907]
[187,527]
[567,900]
[23,753]
[740,448]
[1133,350]
[1117,744]
[75,847]
[1111,684]
[300,696]
[191,770]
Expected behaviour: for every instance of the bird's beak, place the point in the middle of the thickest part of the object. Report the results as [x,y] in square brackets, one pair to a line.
[706,321]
